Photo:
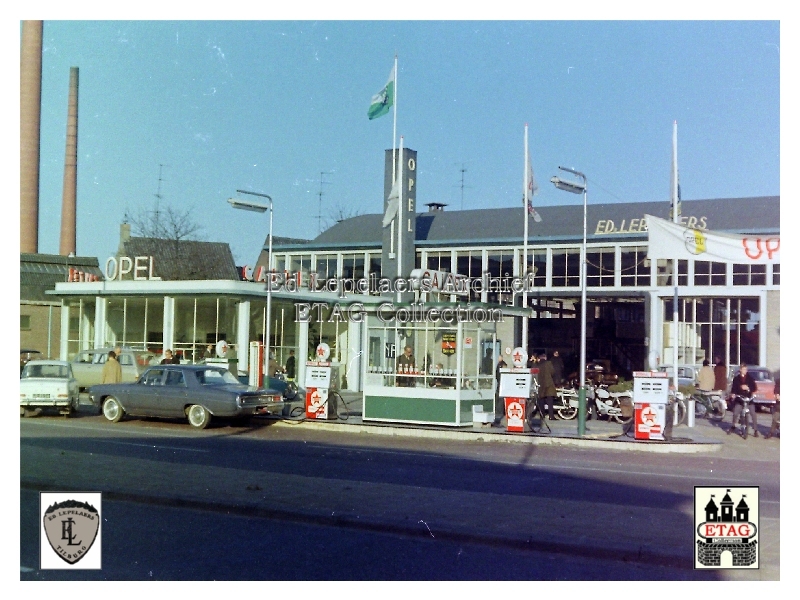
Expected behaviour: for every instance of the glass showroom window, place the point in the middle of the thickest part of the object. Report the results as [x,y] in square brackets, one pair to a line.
[634,267]
[440,261]
[566,267]
[600,267]
[664,273]
[353,266]
[326,266]
[537,261]
[470,263]
[501,271]
[749,274]
[709,273]
[374,271]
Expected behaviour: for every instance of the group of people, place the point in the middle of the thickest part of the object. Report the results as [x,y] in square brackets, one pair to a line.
[550,376]
[715,379]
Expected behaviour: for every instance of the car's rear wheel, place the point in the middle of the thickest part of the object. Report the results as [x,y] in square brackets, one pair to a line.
[198,416]
[112,409]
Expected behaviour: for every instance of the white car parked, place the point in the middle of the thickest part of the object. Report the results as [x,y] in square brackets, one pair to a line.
[48,384]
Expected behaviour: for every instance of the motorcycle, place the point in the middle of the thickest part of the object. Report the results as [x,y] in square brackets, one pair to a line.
[608,404]
[566,404]
[709,405]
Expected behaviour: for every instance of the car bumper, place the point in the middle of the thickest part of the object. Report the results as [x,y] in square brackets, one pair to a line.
[262,409]
[44,403]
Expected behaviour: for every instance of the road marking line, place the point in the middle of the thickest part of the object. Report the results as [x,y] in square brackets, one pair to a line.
[153,446]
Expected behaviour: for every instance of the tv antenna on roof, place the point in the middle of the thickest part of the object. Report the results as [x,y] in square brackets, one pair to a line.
[319,211]
[158,191]
[462,170]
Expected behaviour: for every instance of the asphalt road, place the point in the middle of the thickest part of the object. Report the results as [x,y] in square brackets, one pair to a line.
[424,509]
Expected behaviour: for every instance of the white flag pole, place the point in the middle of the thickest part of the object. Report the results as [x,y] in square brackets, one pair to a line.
[675,219]
[525,201]
[400,221]
[394,127]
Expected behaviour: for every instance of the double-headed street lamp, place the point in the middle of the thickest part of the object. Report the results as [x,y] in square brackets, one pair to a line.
[261,208]
[579,188]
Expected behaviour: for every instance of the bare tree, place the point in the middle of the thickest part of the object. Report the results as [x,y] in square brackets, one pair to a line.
[341,213]
[164,223]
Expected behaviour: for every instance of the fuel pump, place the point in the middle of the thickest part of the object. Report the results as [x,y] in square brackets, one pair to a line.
[515,389]
[650,398]
[321,379]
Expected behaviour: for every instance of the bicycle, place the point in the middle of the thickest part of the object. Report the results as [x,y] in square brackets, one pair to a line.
[709,405]
[534,427]
[744,416]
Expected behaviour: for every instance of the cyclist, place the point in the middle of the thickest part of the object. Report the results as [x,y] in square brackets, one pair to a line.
[743,386]
[705,379]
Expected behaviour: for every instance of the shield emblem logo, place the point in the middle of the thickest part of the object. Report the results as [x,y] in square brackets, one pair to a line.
[71,528]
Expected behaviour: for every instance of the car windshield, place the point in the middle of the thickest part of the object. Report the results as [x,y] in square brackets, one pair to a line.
[49,371]
[215,377]
[760,375]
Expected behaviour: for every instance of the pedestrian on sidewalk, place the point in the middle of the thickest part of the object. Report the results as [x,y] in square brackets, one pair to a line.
[547,388]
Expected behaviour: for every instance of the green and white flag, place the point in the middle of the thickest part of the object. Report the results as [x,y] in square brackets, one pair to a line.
[383,100]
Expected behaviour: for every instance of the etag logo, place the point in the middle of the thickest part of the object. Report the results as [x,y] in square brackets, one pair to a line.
[726,528]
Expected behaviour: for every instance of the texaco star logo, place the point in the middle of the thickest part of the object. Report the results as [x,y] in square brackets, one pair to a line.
[649,416]
[514,410]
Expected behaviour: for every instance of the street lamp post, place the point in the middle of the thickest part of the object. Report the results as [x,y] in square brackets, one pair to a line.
[579,188]
[261,208]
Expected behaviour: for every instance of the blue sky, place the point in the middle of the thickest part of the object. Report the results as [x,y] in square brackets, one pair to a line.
[268,105]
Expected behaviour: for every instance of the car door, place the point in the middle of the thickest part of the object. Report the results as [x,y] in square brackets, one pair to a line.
[144,394]
[173,395]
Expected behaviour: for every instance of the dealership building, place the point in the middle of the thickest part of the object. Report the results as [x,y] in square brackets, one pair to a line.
[725,310]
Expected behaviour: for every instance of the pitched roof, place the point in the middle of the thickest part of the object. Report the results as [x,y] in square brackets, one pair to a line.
[40,272]
[185,259]
[559,223]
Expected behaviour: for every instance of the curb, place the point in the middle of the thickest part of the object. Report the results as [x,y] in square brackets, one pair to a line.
[608,442]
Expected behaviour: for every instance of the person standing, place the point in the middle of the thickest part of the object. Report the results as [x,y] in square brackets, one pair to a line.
[169,359]
[499,403]
[209,353]
[743,386]
[486,364]
[547,388]
[558,369]
[291,365]
[720,376]
[776,410]
[405,364]
[112,371]
[706,379]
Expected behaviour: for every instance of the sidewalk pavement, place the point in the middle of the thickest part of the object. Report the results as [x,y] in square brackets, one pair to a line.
[705,436]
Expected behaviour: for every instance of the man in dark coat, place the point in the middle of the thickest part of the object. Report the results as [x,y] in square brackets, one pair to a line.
[558,369]
[720,375]
[547,388]
[743,386]
[291,365]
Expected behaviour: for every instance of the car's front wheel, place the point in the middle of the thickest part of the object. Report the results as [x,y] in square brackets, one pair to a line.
[112,409]
[198,416]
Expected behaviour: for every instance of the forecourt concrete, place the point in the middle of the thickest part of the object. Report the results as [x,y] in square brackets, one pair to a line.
[538,522]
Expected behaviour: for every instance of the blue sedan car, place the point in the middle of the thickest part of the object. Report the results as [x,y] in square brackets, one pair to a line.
[194,392]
